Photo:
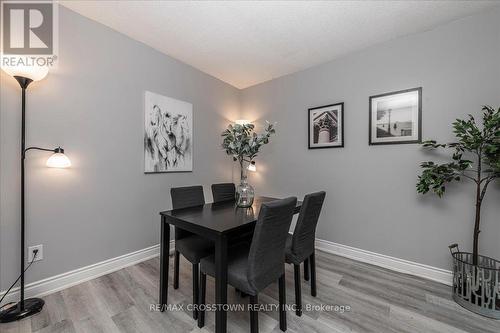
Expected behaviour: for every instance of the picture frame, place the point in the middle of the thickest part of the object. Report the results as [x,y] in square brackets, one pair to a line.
[168,134]
[395,117]
[326,126]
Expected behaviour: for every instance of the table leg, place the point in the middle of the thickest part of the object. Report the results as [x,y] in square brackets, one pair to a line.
[221,283]
[164,259]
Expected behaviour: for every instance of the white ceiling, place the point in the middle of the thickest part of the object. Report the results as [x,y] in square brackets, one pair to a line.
[246,43]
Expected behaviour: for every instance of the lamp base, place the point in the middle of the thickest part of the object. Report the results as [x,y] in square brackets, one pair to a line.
[31,306]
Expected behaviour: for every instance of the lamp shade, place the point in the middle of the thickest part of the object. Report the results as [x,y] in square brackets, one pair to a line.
[58,160]
[252,167]
[242,122]
[35,73]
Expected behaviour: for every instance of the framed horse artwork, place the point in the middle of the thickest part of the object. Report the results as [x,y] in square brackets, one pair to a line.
[168,135]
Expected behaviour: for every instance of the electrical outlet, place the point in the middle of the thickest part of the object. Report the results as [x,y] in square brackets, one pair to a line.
[31,252]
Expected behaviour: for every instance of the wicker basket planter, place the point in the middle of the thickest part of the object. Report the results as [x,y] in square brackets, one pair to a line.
[476,288]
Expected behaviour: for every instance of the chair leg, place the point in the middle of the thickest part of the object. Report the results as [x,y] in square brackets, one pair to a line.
[298,292]
[202,299]
[306,269]
[196,276]
[282,301]
[242,294]
[254,315]
[312,259]
[176,270]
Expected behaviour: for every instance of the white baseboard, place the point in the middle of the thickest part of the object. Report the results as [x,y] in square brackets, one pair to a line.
[395,264]
[65,280]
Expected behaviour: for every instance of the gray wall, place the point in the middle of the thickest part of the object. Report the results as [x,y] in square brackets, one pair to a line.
[92,105]
[372,203]
[104,206]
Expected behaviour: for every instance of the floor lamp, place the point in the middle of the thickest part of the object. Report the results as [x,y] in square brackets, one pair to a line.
[25,76]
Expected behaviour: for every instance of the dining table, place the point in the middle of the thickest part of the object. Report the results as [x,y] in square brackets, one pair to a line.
[219,222]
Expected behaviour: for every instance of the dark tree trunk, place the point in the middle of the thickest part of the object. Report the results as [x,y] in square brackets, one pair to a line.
[475,251]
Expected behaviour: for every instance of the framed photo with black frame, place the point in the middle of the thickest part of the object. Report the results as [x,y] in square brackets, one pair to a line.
[396,117]
[326,126]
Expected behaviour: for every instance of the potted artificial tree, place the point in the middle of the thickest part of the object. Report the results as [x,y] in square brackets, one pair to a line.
[476,157]
[243,144]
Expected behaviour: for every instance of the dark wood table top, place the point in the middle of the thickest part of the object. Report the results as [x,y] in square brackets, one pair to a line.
[221,217]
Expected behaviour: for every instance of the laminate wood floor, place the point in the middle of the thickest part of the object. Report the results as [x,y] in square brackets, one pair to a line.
[380,301]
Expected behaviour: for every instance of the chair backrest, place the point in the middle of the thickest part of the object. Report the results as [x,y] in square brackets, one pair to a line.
[305,230]
[223,192]
[266,259]
[184,197]
[189,196]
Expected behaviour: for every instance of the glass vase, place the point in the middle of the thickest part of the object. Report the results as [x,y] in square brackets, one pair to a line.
[244,192]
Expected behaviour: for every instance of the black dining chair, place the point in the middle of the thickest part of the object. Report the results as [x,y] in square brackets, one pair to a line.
[253,269]
[300,245]
[191,246]
[223,192]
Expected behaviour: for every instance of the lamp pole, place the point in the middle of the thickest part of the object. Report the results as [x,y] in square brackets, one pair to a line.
[24,83]
[27,307]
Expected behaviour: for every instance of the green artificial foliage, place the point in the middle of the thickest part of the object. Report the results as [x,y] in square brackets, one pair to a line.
[475,157]
[243,143]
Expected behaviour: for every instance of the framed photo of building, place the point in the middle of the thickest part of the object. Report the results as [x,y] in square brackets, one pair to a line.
[326,126]
[396,117]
